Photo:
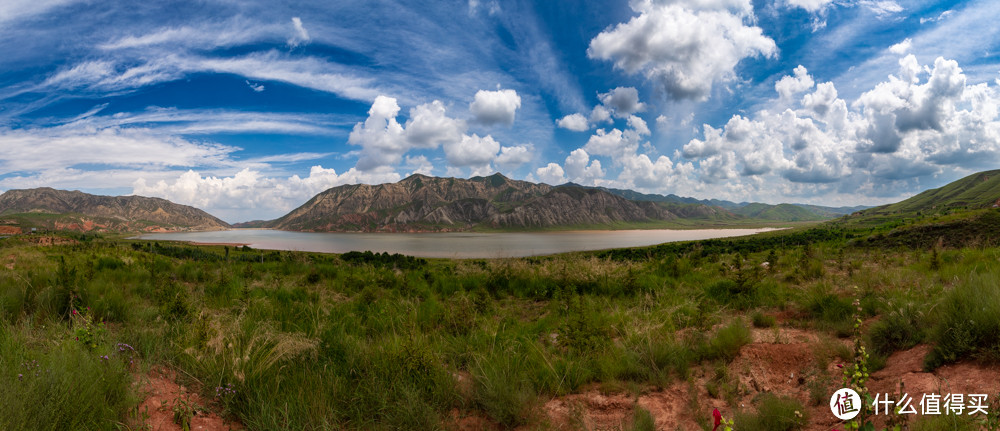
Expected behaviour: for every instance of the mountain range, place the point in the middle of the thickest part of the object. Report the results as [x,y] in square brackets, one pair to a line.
[421,203]
[73,210]
[812,211]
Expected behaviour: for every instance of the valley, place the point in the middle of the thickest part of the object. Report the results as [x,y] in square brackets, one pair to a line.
[761,328]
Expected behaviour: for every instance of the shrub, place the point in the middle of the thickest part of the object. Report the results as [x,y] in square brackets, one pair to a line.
[947,423]
[726,343]
[761,320]
[899,329]
[830,311]
[968,323]
[642,420]
[502,387]
[774,413]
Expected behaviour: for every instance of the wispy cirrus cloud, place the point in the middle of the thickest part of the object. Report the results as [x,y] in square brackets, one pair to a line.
[103,76]
[172,121]
[15,10]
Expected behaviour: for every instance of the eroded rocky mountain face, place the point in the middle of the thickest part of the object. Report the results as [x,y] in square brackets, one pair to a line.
[73,210]
[423,203]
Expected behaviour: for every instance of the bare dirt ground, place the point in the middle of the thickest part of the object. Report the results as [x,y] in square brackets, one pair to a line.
[10,230]
[48,240]
[786,361]
[163,395]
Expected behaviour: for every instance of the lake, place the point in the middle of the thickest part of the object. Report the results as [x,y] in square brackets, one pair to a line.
[451,244]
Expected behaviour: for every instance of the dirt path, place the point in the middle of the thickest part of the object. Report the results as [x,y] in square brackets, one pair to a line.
[164,395]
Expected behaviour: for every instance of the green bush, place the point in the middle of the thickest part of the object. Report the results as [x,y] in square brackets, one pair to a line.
[900,329]
[761,320]
[830,311]
[642,420]
[773,413]
[968,322]
[947,423]
[502,386]
[726,342]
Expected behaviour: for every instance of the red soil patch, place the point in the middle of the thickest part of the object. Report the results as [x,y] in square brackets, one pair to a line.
[48,240]
[589,410]
[470,421]
[9,230]
[772,367]
[783,335]
[83,226]
[164,394]
[670,407]
[787,369]
[961,378]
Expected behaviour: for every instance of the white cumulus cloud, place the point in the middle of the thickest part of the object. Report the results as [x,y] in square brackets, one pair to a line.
[638,124]
[623,101]
[471,151]
[381,137]
[429,126]
[686,46]
[248,194]
[511,158]
[580,169]
[901,47]
[920,123]
[789,86]
[495,107]
[551,174]
[575,122]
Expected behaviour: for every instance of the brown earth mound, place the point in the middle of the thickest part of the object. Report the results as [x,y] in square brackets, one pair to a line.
[164,395]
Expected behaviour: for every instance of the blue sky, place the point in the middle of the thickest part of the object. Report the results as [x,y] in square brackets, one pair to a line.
[247,109]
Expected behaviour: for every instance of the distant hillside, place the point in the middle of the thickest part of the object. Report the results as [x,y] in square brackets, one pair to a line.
[976,191]
[252,224]
[671,198]
[832,212]
[780,212]
[422,203]
[73,210]
[981,190]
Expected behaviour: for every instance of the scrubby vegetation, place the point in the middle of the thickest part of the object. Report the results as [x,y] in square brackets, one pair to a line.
[363,340]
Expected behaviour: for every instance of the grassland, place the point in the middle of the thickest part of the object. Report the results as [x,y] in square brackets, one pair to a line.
[368,341]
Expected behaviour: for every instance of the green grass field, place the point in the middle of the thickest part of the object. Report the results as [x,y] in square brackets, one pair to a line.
[367,341]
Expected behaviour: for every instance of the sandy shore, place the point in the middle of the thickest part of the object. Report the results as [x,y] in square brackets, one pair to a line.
[231,244]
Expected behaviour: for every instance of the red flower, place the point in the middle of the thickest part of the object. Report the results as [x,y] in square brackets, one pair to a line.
[74,311]
[717,415]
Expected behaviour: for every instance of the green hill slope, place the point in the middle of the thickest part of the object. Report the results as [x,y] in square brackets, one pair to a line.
[780,212]
[980,190]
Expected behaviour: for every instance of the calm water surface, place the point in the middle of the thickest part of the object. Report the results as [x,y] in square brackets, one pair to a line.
[453,245]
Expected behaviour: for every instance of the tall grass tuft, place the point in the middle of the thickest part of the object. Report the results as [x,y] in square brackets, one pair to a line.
[502,385]
[773,413]
[968,322]
[61,386]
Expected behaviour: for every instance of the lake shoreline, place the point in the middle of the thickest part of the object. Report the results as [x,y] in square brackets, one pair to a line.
[453,245]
